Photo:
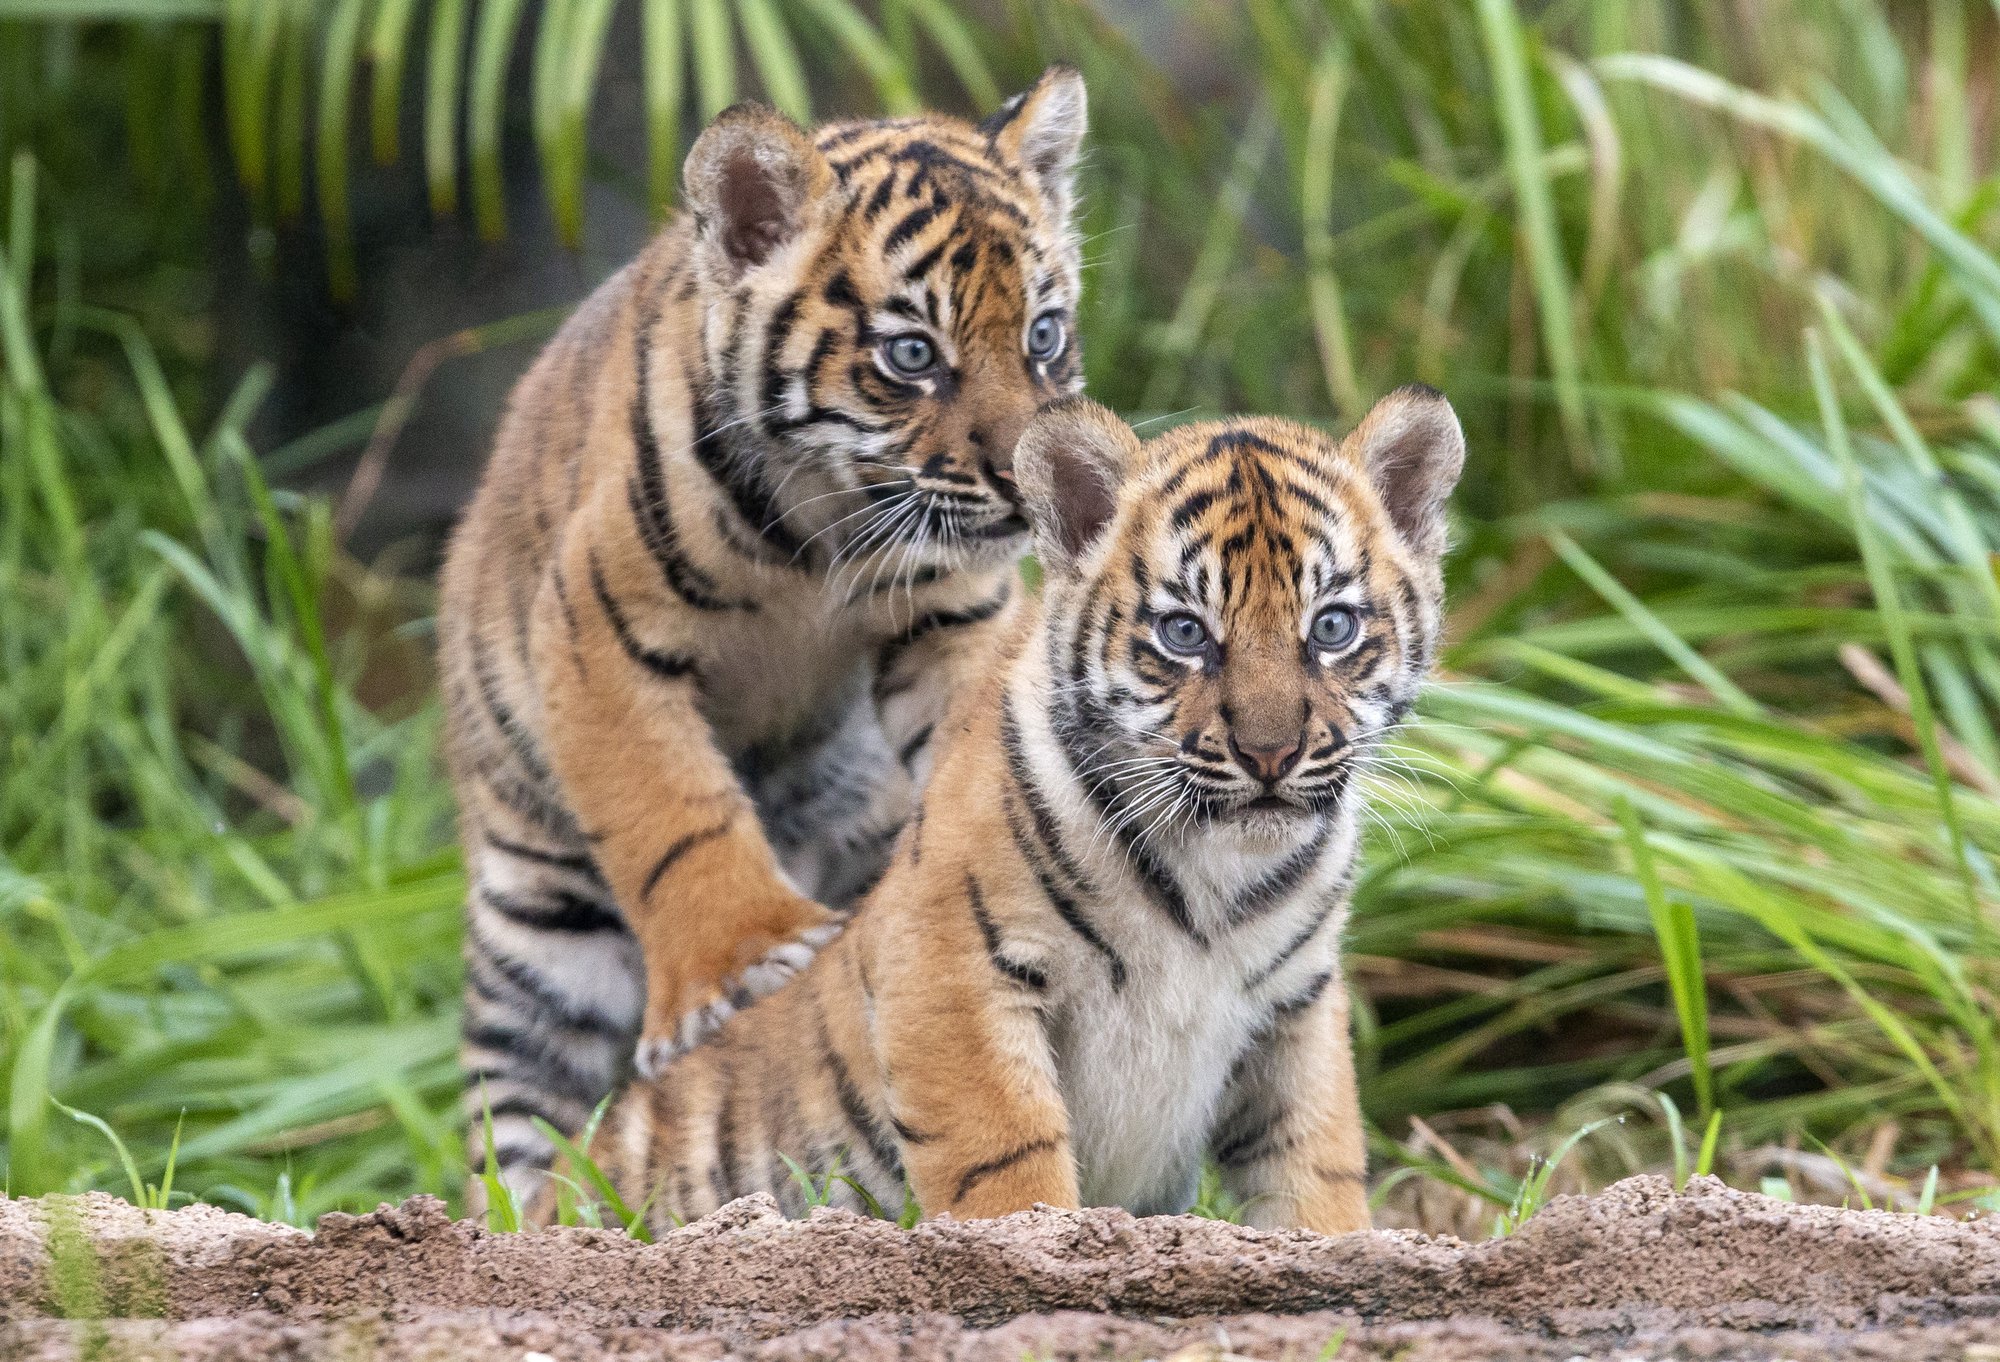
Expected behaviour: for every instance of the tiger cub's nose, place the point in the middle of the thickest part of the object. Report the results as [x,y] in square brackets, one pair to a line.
[1269,763]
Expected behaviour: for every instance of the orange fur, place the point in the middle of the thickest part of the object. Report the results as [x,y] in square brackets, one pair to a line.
[1108,946]
[730,557]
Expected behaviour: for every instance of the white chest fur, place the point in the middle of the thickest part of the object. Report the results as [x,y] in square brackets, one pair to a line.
[1145,1068]
[1143,1071]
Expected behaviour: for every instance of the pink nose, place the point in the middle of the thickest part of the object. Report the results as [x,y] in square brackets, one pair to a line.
[1268,763]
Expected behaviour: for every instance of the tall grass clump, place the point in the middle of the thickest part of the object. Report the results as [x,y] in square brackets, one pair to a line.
[225,888]
[1701,818]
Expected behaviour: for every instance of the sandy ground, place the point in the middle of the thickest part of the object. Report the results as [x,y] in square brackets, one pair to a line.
[1635,1272]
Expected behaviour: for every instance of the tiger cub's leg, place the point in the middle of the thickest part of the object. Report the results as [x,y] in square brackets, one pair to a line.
[1291,1143]
[554,988]
[669,825]
[968,1064]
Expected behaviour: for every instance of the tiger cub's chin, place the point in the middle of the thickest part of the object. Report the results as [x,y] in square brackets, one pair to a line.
[1108,947]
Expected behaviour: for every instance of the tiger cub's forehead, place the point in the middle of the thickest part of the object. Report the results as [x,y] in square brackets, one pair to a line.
[1225,511]
[936,223]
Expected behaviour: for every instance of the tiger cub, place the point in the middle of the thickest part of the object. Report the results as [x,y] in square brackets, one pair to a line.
[1109,943]
[749,519]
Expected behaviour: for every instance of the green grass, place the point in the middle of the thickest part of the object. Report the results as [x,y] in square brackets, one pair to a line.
[1702,818]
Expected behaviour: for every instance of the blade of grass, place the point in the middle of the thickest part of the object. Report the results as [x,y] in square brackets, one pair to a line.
[442,92]
[1704,1162]
[1182,333]
[1889,600]
[1329,89]
[300,19]
[1976,269]
[125,1160]
[562,183]
[21,221]
[388,55]
[952,36]
[660,36]
[714,56]
[864,45]
[589,26]
[1646,622]
[492,43]
[337,67]
[1680,951]
[250,34]
[776,59]
[1506,56]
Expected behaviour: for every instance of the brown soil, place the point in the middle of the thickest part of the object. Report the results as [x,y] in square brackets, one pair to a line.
[1636,1272]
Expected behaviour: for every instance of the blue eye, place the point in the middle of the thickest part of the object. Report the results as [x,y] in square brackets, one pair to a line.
[1183,633]
[910,354]
[1335,627]
[1045,337]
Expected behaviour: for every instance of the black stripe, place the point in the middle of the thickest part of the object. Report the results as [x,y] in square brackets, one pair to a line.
[526,753]
[1066,908]
[1275,887]
[576,864]
[675,851]
[921,266]
[562,599]
[885,190]
[1296,944]
[912,223]
[646,493]
[1159,882]
[999,120]
[1028,976]
[881,1147]
[561,912]
[776,336]
[523,978]
[520,1104]
[936,620]
[1304,998]
[667,666]
[918,742]
[1255,1144]
[529,804]
[724,1177]
[980,1171]
[839,291]
[1045,823]
[550,1067]
[743,485]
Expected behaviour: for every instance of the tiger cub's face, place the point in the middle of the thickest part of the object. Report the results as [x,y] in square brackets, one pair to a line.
[887,305]
[1239,609]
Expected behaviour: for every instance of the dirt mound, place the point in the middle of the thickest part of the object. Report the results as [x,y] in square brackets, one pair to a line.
[1635,1271]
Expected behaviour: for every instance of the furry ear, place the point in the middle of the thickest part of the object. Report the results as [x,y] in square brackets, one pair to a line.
[1070,463]
[752,178]
[1041,130]
[1411,444]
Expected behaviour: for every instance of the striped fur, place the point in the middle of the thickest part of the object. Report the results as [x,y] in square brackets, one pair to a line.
[727,562]
[1108,945]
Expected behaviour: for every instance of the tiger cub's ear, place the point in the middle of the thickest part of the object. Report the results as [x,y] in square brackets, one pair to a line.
[1070,463]
[752,178]
[1413,449]
[1041,130]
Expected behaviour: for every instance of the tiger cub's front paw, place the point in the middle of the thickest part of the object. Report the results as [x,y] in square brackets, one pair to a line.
[763,961]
